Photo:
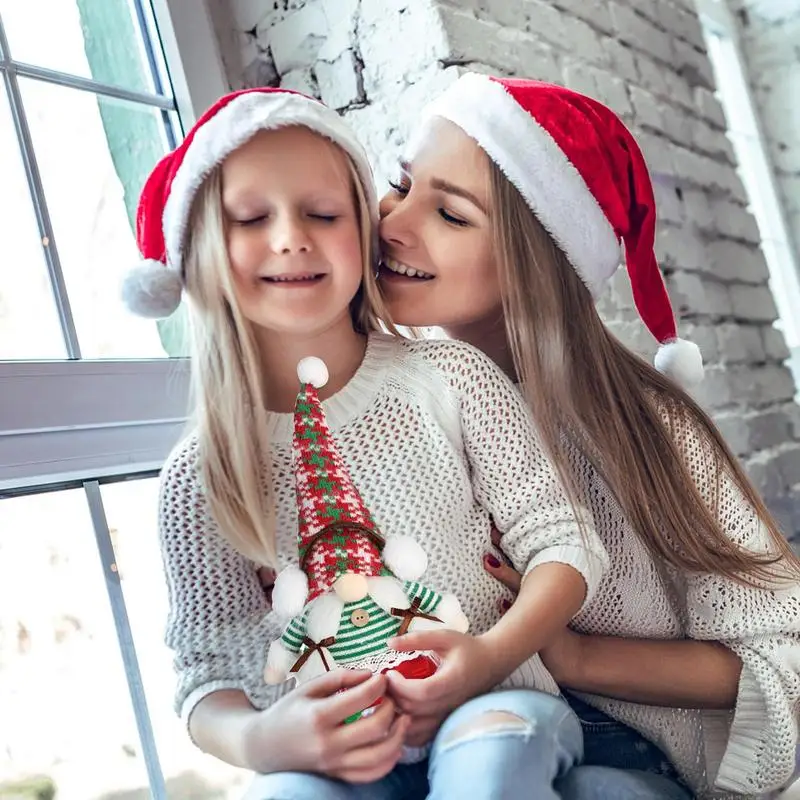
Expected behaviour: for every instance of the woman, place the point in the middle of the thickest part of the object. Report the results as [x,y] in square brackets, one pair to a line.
[503,229]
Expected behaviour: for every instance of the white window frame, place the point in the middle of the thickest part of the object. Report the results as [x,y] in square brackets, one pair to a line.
[77,423]
[67,421]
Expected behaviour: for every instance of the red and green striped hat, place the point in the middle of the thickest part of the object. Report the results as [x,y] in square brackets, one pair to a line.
[336,533]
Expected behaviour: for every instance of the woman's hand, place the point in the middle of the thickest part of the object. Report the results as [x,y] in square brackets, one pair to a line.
[303,731]
[467,669]
[500,567]
[267,577]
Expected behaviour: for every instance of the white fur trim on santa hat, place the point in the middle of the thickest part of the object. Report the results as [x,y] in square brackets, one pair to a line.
[312,370]
[290,592]
[230,128]
[151,290]
[681,361]
[404,557]
[530,158]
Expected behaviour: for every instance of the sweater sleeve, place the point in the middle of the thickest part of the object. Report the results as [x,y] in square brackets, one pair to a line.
[219,623]
[760,625]
[512,477]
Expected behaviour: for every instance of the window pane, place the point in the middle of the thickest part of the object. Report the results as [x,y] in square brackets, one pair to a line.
[131,512]
[66,710]
[91,39]
[29,326]
[94,154]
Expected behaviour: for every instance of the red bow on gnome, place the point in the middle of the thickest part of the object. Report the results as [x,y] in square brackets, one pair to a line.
[353,589]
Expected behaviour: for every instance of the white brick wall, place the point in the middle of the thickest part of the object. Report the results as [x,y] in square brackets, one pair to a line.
[769,31]
[378,61]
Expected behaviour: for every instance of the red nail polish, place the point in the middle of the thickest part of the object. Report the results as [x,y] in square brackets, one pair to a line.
[492,561]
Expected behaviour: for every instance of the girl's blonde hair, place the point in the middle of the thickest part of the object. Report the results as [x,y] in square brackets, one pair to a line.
[229,392]
[587,388]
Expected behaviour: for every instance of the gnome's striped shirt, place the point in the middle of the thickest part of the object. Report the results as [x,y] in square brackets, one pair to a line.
[354,643]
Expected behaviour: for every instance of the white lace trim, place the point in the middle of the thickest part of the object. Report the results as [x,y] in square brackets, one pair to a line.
[389,659]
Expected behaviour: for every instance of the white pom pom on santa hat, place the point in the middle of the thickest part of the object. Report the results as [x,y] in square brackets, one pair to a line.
[151,290]
[681,361]
[404,557]
[290,592]
[312,370]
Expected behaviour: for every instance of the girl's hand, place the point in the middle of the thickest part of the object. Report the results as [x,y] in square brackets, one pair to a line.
[467,669]
[303,731]
[422,730]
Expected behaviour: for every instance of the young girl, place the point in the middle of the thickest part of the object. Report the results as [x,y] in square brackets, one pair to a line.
[503,229]
[266,216]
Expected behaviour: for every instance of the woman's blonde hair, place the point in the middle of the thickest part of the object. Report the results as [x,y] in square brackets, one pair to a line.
[587,388]
[229,393]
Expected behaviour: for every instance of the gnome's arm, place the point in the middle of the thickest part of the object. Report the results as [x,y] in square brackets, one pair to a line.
[284,652]
[443,606]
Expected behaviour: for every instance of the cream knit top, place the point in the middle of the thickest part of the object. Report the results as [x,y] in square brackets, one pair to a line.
[751,750]
[438,442]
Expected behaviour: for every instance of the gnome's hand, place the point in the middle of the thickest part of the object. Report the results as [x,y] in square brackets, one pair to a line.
[449,612]
[279,662]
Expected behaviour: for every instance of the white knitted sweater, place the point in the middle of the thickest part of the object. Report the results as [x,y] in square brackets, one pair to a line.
[751,750]
[436,440]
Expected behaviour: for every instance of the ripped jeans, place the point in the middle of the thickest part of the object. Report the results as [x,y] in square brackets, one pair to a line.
[506,745]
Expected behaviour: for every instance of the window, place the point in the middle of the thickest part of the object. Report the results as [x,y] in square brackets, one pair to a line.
[85,114]
[755,170]
[91,399]
[85,679]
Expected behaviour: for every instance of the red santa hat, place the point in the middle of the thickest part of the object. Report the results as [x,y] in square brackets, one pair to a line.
[336,535]
[582,173]
[153,288]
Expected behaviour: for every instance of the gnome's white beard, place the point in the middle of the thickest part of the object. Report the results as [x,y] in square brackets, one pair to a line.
[325,612]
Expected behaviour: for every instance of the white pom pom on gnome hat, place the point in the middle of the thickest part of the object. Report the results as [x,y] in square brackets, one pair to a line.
[405,557]
[150,290]
[681,361]
[290,592]
[312,370]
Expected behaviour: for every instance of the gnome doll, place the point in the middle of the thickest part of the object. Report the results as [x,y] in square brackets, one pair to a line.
[353,589]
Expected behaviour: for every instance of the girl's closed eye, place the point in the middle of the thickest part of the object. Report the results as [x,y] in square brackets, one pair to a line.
[323,217]
[249,221]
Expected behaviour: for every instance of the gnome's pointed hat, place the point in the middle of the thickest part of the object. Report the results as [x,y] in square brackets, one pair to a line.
[336,533]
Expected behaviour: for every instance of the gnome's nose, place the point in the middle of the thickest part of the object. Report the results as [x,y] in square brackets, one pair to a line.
[351,587]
